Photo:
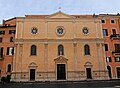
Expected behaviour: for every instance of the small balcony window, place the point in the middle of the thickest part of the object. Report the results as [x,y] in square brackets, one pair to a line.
[117,59]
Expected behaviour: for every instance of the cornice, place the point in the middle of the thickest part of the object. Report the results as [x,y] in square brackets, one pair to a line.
[58,20]
[77,40]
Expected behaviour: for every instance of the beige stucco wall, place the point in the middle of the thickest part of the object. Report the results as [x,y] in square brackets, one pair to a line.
[47,42]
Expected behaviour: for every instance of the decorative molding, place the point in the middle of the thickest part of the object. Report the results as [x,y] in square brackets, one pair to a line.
[78,40]
[98,44]
[61,59]
[32,64]
[60,15]
[88,64]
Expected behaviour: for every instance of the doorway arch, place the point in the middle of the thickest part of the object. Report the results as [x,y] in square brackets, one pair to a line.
[88,66]
[32,74]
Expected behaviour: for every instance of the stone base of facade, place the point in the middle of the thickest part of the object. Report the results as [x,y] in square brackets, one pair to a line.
[51,76]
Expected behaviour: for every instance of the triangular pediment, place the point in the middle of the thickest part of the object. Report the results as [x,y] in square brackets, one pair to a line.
[32,64]
[60,15]
[61,59]
[88,64]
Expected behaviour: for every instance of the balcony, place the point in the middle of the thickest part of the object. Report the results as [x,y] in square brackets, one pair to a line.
[115,36]
[116,53]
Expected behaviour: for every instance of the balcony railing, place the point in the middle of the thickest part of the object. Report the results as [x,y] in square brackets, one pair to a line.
[115,36]
[116,53]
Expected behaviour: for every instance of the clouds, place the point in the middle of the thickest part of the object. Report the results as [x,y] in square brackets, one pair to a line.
[13,8]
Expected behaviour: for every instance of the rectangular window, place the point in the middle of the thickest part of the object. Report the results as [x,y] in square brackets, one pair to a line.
[103,21]
[106,47]
[10,50]
[11,31]
[1,52]
[117,59]
[117,48]
[112,21]
[2,32]
[11,39]
[1,39]
[105,32]
[108,59]
[114,31]
[7,24]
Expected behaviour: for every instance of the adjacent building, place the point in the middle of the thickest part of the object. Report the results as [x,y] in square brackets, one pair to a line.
[7,33]
[59,47]
[111,33]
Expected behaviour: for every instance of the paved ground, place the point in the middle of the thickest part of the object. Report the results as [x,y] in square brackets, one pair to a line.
[90,84]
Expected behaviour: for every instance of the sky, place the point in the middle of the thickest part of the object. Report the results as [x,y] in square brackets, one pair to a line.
[18,8]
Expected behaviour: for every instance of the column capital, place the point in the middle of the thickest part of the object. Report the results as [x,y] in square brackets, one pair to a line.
[102,44]
[21,45]
[46,43]
[98,44]
[75,43]
[15,45]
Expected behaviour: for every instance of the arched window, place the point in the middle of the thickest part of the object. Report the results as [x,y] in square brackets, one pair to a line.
[33,49]
[9,68]
[60,50]
[87,50]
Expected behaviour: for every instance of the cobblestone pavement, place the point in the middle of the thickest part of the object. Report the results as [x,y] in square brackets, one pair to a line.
[95,84]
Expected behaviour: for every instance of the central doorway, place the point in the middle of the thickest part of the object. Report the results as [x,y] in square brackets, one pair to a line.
[88,72]
[32,74]
[61,72]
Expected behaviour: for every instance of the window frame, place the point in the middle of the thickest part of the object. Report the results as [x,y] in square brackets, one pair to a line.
[11,33]
[116,47]
[34,28]
[60,49]
[116,59]
[33,50]
[106,48]
[1,52]
[108,59]
[63,30]
[2,32]
[11,39]
[1,39]
[105,33]
[86,49]
[10,51]
[115,30]
[85,28]
[104,21]
[112,20]
[9,68]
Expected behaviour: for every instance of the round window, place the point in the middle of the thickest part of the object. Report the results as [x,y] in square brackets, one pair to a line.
[60,31]
[34,30]
[85,30]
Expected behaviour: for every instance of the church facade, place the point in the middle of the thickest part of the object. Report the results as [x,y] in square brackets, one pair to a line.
[58,47]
